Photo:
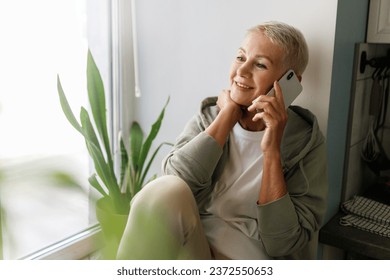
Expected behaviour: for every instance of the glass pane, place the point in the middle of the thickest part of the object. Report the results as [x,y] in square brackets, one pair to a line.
[41,39]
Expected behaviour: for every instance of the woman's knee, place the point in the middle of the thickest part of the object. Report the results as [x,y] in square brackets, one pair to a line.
[164,196]
[166,204]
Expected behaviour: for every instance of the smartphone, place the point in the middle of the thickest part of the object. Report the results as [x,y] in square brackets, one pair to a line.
[291,87]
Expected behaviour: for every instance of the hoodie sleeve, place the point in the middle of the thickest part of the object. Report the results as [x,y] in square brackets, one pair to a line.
[288,224]
[194,157]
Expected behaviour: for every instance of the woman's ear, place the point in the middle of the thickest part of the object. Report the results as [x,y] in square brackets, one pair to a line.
[299,78]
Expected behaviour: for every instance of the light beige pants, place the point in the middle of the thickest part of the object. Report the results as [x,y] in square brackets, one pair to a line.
[164,223]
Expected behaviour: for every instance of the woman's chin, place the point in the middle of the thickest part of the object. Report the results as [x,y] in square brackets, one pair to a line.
[240,98]
[242,103]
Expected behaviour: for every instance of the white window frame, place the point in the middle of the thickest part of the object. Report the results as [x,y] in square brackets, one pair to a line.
[84,244]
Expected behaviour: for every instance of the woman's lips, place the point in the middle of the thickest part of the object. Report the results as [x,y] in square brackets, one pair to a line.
[240,85]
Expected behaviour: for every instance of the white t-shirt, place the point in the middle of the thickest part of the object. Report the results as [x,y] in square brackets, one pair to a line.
[231,226]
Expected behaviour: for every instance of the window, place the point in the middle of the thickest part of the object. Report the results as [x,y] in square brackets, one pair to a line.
[41,39]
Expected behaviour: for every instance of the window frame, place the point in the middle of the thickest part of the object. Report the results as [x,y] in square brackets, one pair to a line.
[83,244]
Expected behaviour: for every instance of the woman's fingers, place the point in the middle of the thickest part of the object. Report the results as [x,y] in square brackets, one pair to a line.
[269,106]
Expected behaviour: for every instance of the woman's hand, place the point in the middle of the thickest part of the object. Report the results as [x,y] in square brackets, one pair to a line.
[271,110]
[225,103]
[229,114]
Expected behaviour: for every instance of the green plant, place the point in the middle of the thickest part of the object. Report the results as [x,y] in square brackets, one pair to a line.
[134,166]
[2,226]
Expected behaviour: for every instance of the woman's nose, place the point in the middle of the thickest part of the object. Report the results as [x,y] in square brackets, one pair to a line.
[244,70]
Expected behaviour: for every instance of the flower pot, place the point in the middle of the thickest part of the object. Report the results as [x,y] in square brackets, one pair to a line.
[112,225]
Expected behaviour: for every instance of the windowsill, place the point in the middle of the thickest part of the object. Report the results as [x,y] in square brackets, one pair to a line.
[76,247]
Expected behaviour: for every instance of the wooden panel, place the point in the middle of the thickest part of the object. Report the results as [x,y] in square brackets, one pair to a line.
[378,30]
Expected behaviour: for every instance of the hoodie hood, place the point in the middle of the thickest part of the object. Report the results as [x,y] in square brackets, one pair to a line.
[208,111]
[301,135]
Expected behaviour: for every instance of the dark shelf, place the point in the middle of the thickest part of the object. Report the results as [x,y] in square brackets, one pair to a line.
[354,240]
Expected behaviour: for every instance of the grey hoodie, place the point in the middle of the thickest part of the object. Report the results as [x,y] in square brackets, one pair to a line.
[289,226]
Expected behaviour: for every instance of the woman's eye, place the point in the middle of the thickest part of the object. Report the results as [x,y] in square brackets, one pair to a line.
[261,66]
[240,58]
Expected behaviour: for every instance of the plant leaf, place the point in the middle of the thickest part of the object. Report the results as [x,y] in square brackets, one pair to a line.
[103,172]
[103,169]
[149,140]
[145,172]
[88,129]
[66,108]
[94,183]
[2,229]
[136,139]
[64,179]
[97,101]
[124,161]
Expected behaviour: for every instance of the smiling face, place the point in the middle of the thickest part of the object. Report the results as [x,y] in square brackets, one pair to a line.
[258,63]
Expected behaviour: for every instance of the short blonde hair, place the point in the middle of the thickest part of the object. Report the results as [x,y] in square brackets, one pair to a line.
[290,39]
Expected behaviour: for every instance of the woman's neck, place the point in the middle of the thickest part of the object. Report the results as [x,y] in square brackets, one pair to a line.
[247,123]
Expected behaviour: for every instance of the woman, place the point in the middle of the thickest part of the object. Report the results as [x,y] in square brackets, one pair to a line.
[250,178]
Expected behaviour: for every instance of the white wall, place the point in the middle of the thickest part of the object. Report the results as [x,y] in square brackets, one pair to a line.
[186,47]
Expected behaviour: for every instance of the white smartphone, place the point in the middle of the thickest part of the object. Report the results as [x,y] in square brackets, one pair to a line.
[291,87]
